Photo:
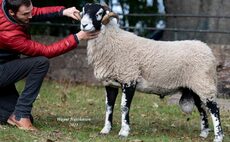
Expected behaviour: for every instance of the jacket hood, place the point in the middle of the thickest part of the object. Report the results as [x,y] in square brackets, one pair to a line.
[7,22]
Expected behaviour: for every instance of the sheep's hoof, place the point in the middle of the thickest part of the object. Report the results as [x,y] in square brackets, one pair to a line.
[204,133]
[124,132]
[105,131]
[218,138]
[103,134]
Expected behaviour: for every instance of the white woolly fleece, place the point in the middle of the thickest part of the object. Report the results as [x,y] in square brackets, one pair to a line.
[157,66]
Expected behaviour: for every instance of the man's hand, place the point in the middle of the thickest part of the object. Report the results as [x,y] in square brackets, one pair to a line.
[87,35]
[72,12]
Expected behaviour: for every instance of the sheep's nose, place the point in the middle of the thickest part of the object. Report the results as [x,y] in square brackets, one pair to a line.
[84,25]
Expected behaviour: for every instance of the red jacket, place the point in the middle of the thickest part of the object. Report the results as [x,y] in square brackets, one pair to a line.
[15,40]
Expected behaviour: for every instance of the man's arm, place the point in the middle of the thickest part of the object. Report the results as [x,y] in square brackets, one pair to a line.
[47,13]
[19,43]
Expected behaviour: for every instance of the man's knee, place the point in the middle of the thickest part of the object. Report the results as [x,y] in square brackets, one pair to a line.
[43,61]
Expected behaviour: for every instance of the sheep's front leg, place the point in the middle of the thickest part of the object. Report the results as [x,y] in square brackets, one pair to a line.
[215,114]
[127,96]
[111,95]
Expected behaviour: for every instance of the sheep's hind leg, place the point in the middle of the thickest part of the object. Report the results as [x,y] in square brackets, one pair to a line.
[203,116]
[111,95]
[127,96]
[215,114]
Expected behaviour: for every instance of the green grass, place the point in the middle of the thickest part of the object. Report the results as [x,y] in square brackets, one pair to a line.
[65,112]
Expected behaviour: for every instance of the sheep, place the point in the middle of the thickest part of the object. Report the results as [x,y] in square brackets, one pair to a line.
[123,59]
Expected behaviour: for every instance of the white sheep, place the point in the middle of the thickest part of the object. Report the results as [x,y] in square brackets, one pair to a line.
[122,59]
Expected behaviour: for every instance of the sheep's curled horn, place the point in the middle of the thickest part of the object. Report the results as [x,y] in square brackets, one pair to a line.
[106,19]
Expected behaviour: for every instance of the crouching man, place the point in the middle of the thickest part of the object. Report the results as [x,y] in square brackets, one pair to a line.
[15,16]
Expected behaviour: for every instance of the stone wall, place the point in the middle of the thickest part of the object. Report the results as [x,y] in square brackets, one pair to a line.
[222,53]
[198,7]
[73,65]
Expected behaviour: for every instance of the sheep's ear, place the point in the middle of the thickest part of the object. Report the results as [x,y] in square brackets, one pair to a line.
[81,14]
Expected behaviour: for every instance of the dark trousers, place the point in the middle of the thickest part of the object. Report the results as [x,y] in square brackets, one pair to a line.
[34,70]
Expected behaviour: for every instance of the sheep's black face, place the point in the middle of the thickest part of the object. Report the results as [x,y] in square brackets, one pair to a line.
[92,15]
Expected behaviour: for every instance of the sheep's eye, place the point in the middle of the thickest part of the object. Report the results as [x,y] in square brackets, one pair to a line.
[99,14]
[82,12]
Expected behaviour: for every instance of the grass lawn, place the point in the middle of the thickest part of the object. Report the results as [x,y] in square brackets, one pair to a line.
[65,112]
